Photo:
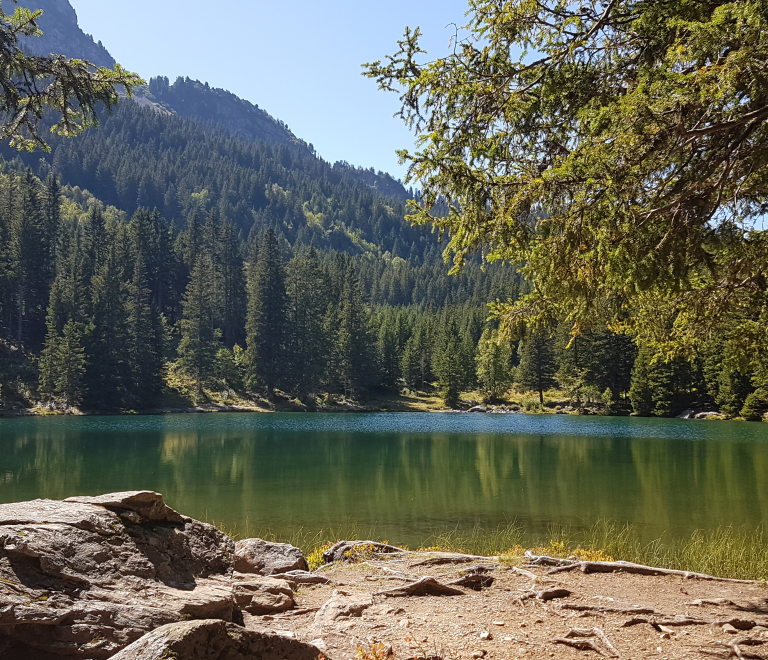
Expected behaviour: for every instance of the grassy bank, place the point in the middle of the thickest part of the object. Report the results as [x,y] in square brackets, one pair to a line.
[724,552]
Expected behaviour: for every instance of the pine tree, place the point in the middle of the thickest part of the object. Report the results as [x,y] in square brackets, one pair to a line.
[199,339]
[266,320]
[493,366]
[537,364]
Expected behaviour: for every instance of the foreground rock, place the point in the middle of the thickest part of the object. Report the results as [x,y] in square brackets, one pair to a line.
[265,558]
[88,576]
[216,640]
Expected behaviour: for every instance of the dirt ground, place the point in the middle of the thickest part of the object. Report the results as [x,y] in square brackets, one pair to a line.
[506,620]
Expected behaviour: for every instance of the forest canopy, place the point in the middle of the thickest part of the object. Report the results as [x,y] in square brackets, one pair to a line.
[615,148]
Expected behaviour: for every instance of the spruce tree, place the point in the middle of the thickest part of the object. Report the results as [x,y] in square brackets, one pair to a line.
[448,363]
[537,364]
[199,339]
[307,349]
[493,366]
[266,320]
[29,259]
[106,345]
[144,341]
[353,339]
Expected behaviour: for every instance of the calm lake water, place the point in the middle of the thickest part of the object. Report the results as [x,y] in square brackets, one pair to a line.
[405,475]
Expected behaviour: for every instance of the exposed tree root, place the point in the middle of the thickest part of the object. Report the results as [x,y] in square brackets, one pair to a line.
[426,586]
[474,581]
[450,559]
[587,567]
[546,595]
[753,606]
[678,621]
[589,639]
[610,610]
[523,573]
[396,574]
[734,650]
[338,552]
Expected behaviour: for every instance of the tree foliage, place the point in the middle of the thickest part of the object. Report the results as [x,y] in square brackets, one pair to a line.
[31,84]
[616,148]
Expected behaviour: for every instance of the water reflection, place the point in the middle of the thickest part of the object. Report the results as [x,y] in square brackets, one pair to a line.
[406,475]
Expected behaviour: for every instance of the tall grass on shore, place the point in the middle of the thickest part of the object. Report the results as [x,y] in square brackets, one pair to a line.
[722,552]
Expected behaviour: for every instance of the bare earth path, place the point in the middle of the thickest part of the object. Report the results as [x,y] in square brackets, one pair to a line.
[525,613]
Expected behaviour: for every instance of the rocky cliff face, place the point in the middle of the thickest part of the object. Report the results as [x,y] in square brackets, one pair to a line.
[62,34]
[192,99]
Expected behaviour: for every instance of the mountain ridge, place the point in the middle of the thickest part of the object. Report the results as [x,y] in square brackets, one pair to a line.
[185,98]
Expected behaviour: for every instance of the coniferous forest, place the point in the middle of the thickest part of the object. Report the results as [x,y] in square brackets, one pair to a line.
[157,255]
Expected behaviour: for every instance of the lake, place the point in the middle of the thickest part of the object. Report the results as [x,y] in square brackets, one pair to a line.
[404,475]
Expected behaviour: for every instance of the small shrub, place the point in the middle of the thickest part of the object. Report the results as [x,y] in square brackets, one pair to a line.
[376,652]
[315,558]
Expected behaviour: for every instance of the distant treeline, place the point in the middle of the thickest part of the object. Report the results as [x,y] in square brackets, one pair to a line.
[111,306]
[101,311]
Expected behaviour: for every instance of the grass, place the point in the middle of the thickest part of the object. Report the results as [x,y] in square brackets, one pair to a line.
[723,552]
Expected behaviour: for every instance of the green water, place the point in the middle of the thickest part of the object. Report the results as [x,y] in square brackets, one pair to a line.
[406,475]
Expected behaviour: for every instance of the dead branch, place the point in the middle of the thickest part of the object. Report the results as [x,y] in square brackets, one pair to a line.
[426,586]
[579,638]
[588,567]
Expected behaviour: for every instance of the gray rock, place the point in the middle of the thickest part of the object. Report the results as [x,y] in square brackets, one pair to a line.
[340,606]
[302,577]
[146,503]
[82,579]
[216,640]
[478,409]
[262,595]
[265,558]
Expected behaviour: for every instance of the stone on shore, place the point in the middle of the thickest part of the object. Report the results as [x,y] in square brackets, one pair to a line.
[266,558]
[86,577]
[216,640]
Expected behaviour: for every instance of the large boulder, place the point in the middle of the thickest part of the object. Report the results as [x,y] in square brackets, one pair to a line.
[266,558]
[216,640]
[88,576]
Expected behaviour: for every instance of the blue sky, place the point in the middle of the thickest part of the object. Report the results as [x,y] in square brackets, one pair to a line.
[298,59]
